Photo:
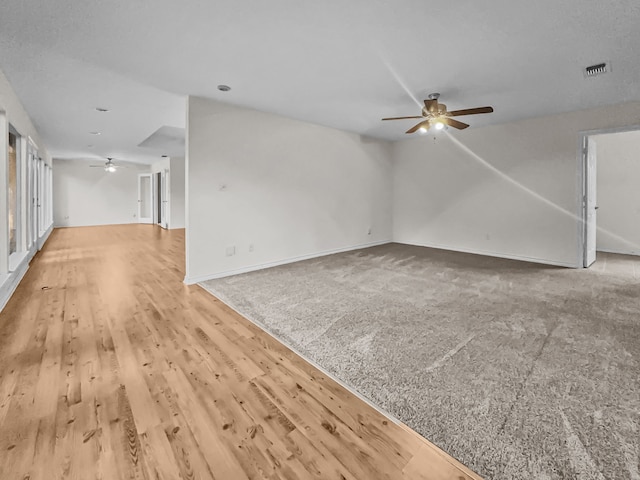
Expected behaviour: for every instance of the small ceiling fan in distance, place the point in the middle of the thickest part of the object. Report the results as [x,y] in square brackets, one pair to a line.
[108,166]
[435,115]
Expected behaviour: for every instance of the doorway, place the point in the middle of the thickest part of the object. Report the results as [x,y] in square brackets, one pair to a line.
[609,202]
[145,198]
[32,197]
[157,198]
[161,198]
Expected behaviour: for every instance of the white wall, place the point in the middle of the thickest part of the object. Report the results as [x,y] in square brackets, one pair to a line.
[18,117]
[523,204]
[177,192]
[618,192]
[161,165]
[288,188]
[90,196]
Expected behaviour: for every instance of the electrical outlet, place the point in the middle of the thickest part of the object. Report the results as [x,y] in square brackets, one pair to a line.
[231,251]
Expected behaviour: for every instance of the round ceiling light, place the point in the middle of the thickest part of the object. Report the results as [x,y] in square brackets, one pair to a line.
[224,88]
[102,110]
[94,133]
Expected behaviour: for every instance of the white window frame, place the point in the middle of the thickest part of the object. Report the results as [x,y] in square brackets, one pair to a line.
[15,258]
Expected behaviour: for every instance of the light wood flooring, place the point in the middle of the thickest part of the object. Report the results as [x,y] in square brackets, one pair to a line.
[112,368]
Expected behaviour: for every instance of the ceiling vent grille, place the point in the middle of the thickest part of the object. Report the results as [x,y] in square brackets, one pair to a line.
[597,69]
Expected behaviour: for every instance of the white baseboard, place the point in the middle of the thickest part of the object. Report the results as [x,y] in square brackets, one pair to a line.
[520,258]
[43,239]
[618,252]
[73,225]
[189,280]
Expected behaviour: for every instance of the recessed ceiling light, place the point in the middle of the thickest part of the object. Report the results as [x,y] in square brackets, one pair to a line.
[94,133]
[165,156]
[102,110]
[224,88]
[89,146]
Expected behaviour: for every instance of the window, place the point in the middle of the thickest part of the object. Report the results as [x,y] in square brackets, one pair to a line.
[41,197]
[34,198]
[13,190]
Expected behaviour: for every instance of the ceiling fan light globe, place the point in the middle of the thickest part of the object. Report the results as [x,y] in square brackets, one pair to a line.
[439,125]
[110,168]
[422,130]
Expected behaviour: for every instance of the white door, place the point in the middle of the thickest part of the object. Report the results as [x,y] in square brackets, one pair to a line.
[590,202]
[145,198]
[30,197]
[34,198]
[164,208]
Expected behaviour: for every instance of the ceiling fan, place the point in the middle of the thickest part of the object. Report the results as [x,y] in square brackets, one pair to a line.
[108,166]
[435,115]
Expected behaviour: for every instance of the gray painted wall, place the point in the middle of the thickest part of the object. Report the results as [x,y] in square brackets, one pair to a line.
[90,196]
[278,189]
[177,189]
[506,190]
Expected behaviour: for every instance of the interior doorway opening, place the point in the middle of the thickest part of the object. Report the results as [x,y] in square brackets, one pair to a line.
[161,198]
[145,198]
[158,198]
[610,198]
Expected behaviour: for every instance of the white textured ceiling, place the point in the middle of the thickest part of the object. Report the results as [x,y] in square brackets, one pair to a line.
[345,64]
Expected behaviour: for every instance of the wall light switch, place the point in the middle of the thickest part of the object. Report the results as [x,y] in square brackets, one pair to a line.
[231,251]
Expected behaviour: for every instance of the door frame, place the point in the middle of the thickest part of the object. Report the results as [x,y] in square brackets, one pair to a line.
[589,154]
[581,189]
[165,206]
[32,182]
[148,219]
[157,197]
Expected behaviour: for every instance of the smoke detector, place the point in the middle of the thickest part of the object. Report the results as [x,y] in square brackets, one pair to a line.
[597,69]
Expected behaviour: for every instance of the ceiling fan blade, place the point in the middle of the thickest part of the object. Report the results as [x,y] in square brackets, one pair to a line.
[96,166]
[415,128]
[453,123]
[431,105]
[471,111]
[400,118]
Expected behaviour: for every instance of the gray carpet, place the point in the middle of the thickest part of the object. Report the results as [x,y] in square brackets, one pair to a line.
[518,370]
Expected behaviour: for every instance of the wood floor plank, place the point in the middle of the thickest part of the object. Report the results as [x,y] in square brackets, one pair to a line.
[217,449]
[112,368]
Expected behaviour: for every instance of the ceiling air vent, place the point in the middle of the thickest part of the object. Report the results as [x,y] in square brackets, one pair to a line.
[597,69]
